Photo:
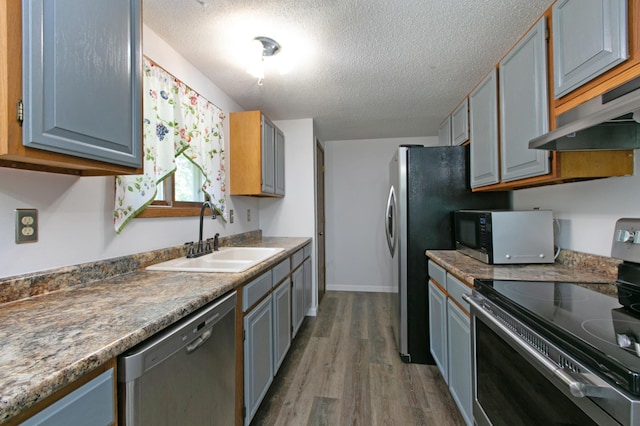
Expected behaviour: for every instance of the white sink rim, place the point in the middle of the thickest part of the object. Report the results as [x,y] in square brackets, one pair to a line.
[226,260]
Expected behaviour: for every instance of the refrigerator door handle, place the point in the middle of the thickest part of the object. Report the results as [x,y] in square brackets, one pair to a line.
[390,221]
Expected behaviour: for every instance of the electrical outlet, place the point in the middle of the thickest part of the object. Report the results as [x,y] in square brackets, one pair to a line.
[26,226]
[248,215]
[230,215]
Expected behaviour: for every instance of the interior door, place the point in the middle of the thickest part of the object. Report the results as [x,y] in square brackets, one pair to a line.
[320,220]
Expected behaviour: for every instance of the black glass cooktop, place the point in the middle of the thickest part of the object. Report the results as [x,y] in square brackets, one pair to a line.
[592,327]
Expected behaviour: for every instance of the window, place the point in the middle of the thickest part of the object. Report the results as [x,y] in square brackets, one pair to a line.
[183,154]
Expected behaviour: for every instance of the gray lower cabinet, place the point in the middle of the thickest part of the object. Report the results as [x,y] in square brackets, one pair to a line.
[91,404]
[281,322]
[459,360]
[483,131]
[258,356]
[438,329]
[297,299]
[308,290]
[82,79]
[524,106]
[589,38]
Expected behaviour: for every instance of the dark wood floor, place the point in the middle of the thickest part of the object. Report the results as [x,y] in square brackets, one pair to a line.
[343,369]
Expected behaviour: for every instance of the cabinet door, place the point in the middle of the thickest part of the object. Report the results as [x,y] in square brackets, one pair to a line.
[483,124]
[438,329]
[589,38]
[281,322]
[459,353]
[82,79]
[258,356]
[91,404]
[279,165]
[308,293]
[524,106]
[268,156]
[297,299]
[460,124]
[444,132]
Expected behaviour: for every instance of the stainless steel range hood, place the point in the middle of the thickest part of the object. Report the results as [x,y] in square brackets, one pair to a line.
[608,122]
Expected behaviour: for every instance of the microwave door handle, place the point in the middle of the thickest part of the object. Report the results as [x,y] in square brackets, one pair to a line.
[577,388]
[390,221]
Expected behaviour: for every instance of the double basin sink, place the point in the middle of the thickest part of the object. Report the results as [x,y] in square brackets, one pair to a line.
[227,259]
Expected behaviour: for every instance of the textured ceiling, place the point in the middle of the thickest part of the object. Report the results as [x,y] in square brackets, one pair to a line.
[365,68]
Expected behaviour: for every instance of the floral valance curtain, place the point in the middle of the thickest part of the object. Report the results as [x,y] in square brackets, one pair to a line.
[177,121]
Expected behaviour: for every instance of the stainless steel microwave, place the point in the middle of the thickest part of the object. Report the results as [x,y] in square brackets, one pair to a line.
[505,236]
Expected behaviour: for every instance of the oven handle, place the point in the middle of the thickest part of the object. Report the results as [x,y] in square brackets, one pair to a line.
[577,388]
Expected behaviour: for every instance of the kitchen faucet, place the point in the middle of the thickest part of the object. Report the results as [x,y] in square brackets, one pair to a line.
[207,249]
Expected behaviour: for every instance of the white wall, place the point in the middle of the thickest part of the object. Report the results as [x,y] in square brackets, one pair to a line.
[294,215]
[587,210]
[356,187]
[76,214]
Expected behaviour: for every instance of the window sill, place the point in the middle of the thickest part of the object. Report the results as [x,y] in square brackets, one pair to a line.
[165,211]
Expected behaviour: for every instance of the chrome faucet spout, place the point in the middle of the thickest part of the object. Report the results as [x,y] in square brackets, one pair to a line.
[213,216]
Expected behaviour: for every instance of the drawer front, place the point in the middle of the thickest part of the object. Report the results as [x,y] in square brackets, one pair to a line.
[296,259]
[280,272]
[456,289]
[438,274]
[257,288]
[306,250]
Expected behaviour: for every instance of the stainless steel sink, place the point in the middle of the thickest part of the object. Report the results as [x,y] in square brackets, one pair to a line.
[227,259]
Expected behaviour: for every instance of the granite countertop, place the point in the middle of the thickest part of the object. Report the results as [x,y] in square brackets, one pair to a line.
[50,340]
[569,267]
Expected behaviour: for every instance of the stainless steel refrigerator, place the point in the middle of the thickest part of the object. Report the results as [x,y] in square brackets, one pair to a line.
[427,185]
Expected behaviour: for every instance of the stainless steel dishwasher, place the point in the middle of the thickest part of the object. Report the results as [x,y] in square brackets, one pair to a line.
[184,375]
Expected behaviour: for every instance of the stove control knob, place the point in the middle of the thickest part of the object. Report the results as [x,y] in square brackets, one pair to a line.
[624,341]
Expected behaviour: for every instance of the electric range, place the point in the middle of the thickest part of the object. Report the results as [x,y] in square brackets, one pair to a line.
[583,346]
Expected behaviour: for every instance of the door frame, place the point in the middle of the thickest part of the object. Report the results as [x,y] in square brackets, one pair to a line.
[321,276]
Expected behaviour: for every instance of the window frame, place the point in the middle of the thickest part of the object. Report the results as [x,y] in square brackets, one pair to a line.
[169,207]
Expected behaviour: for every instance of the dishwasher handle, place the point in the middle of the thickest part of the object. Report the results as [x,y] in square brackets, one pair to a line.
[199,341]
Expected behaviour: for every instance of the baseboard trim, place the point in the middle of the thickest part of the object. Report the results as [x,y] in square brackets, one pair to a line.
[365,288]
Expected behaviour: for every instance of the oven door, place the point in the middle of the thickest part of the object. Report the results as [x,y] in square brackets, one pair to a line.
[512,384]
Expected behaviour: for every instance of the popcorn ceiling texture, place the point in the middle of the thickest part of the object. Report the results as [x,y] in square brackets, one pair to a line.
[370,69]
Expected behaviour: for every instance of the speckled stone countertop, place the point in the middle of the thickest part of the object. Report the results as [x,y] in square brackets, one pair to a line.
[570,267]
[49,340]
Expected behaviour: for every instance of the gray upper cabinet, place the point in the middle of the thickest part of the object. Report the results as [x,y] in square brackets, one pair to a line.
[444,132]
[483,129]
[279,162]
[460,124]
[268,156]
[589,38]
[524,106]
[82,79]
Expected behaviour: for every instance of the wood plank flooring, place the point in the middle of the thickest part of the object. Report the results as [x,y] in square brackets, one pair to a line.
[343,369]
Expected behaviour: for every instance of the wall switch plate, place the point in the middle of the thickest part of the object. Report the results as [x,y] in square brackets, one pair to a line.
[26,226]
[231,216]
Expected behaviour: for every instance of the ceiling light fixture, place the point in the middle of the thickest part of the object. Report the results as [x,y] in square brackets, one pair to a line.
[268,47]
